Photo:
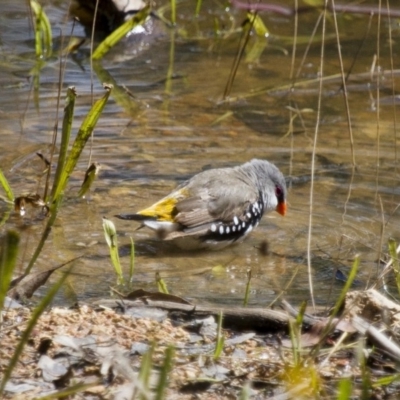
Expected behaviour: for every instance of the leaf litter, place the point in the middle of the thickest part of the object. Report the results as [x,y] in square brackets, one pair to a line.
[101,348]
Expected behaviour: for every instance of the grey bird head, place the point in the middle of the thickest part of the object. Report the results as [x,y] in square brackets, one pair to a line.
[270,183]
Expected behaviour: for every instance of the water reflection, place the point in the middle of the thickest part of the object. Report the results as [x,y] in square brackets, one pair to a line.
[154,136]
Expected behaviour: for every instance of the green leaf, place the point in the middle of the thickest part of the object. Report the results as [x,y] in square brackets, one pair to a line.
[120,93]
[258,24]
[65,136]
[173,11]
[247,292]
[219,345]
[145,371]
[386,380]
[6,186]
[111,40]
[395,261]
[110,234]
[43,35]
[161,285]
[8,260]
[82,137]
[132,261]
[90,176]
[198,7]
[164,372]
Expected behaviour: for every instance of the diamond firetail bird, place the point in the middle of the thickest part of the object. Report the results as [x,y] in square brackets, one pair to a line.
[217,207]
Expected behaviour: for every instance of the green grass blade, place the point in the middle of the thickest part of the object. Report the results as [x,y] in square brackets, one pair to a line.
[340,300]
[349,282]
[6,186]
[173,11]
[198,8]
[132,261]
[161,285]
[82,137]
[111,40]
[145,371]
[170,71]
[247,292]
[43,35]
[46,34]
[386,380]
[395,261]
[8,260]
[344,392]
[69,391]
[219,345]
[164,372]
[295,333]
[120,93]
[65,136]
[37,9]
[110,234]
[50,222]
[37,312]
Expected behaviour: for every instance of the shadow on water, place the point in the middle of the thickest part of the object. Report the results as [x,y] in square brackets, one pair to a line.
[157,131]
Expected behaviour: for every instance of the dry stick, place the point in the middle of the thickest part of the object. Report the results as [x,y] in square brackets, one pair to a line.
[284,291]
[353,170]
[91,75]
[381,238]
[296,27]
[355,58]
[344,86]
[291,118]
[321,67]
[303,60]
[245,37]
[31,26]
[346,100]
[393,87]
[348,115]
[378,81]
[378,130]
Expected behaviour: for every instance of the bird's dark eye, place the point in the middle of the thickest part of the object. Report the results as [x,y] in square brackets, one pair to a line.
[279,193]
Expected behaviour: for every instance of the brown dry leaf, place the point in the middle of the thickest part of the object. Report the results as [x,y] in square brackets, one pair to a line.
[154,296]
[33,199]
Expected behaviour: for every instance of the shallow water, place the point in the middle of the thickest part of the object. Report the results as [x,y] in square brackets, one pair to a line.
[168,129]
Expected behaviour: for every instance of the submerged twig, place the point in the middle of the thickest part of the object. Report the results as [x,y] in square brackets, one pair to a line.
[242,46]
